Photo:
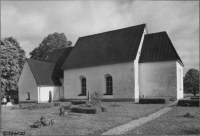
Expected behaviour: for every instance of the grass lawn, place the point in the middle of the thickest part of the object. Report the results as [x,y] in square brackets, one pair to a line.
[172,123]
[74,123]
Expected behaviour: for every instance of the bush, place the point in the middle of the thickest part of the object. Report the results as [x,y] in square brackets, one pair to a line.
[96,98]
[153,100]
[83,110]
[43,122]
[190,103]
[78,102]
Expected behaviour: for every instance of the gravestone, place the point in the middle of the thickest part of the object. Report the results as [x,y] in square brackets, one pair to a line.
[9,104]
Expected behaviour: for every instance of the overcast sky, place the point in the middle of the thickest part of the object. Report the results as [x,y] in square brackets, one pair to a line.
[30,21]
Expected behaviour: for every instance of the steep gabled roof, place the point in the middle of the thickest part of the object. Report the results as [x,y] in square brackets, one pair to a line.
[42,72]
[111,47]
[158,47]
[48,73]
[59,56]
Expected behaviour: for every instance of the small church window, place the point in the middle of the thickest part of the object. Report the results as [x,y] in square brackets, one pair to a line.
[27,96]
[109,85]
[83,86]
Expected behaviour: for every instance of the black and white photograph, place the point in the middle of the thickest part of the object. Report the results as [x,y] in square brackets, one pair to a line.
[99,67]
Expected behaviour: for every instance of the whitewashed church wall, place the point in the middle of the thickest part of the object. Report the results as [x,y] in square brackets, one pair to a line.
[122,74]
[27,84]
[179,81]
[158,79]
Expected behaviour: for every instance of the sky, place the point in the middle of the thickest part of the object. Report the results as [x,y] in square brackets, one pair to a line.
[29,22]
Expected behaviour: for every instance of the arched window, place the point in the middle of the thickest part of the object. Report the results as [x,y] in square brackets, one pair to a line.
[83,86]
[27,96]
[109,85]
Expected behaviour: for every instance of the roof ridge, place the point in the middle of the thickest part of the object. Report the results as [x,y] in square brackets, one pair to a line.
[112,30]
[114,46]
[156,33]
[159,47]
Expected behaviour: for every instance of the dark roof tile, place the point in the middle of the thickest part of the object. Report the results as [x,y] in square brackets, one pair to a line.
[62,55]
[111,47]
[42,72]
[158,47]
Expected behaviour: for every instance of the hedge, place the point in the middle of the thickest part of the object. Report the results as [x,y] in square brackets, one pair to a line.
[78,102]
[93,110]
[118,100]
[33,106]
[194,97]
[153,100]
[190,103]
[84,110]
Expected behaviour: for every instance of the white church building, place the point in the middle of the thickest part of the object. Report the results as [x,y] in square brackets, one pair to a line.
[127,63]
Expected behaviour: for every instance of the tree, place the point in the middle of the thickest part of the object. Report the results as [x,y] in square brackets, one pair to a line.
[191,81]
[49,43]
[12,61]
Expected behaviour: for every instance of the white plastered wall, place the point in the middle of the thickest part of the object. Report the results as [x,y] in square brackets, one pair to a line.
[27,84]
[179,73]
[61,88]
[122,74]
[158,79]
[43,93]
[136,67]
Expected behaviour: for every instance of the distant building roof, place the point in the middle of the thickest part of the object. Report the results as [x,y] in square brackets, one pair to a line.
[110,47]
[158,47]
[55,55]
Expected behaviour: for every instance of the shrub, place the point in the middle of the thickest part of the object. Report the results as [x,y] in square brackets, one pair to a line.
[188,103]
[153,100]
[96,98]
[83,110]
[78,102]
[43,122]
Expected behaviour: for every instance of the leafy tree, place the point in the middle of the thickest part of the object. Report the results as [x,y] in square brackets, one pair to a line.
[49,43]
[191,81]
[12,61]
